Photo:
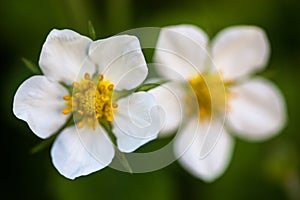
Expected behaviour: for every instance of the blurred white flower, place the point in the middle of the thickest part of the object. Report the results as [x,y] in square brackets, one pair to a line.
[80,79]
[227,99]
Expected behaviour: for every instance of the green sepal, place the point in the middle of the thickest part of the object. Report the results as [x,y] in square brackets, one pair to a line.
[119,155]
[47,142]
[148,86]
[108,128]
[68,87]
[42,145]
[122,158]
[121,94]
[92,32]
[31,66]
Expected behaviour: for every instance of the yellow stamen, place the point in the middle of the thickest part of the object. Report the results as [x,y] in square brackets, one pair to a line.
[110,87]
[67,97]
[84,86]
[110,118]
[66,111]
[91,101]
[75,85]
[77,95]
[114,105]
[101,77]
[80,124]
[87,76]
[101,87]
[211,93]
[80,112]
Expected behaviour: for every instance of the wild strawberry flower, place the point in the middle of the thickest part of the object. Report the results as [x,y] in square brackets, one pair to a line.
[81,81]
[224,98]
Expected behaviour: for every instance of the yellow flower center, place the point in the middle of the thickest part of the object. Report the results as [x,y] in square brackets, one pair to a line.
[91,101]
[211,93]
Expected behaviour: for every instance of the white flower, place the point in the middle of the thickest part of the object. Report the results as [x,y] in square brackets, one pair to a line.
[94,71]
[251,107]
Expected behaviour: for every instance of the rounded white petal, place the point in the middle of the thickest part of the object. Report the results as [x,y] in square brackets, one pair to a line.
[240,50]
[128,143]
[39,102]
[169,97]
[63,54]
[121,60]
[257,110]
[80,152]
[182,49]
[205,149]
[137,118]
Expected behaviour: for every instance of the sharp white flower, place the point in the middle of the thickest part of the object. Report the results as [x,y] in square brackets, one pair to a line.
[81,78]
[229,100]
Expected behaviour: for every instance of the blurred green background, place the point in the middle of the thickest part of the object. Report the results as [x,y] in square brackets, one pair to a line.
[268,170]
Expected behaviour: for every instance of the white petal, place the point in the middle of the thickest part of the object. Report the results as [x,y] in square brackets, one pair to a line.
[39,102]
[193,141]
[121,60]
[257,110]
[240,50]
[128,143]
[182,49]
[62,55]
[169,97]
[80,152]
[137,118]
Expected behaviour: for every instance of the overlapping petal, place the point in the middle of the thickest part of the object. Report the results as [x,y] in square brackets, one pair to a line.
[127,143]
[63,54]
[169,97]
[137,119]
[191,142]
[239,51]
[80,152]
[257,110]
[39,102]
[181,48]
[121,60]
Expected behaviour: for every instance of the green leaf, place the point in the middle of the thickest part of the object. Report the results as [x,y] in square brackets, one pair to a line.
[31,66]
[92,32]
[149,86]
[122,158]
